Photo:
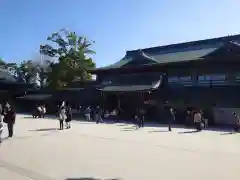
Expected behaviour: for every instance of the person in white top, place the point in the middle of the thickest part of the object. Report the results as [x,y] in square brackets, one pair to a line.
[62,116]
[198,120]
[1,127]
[43,110]
[39,111]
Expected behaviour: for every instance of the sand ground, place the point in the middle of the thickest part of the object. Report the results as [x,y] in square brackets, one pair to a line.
[116,151]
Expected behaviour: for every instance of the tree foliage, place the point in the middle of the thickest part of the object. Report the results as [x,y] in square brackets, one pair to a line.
[67,60]
[72,53]
[12,68]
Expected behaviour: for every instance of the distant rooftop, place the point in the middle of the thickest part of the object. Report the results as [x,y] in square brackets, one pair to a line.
[187,51]
[211,41]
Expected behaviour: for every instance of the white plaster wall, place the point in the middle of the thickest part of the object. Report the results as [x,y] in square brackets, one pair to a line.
[224,115]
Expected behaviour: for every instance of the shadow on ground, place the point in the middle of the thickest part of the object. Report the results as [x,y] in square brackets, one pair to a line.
[3,139]
[153,131]
[27,117]
[133,128]
[45,129]
[122,123]
[86,178]
[228,133]
[188,132]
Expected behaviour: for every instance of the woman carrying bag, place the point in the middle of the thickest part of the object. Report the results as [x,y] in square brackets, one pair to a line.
[62,116]
[198,120]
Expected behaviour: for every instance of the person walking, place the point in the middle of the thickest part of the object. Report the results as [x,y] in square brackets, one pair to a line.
[69,116]
[87,113]
[171,118]
[237,123]
[198,120]
[1,128]
[137,120]
[43,111]
[1,109]
[9,119]
[188,119]
[99,115]
[39,111]
[62,116]
[142,117]
[169,115]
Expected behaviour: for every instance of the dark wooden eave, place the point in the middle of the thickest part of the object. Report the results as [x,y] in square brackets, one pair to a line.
[146,87]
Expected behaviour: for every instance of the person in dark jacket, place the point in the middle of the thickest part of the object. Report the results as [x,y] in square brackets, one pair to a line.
[142,117]
[9,118]
[5,108]
[237,123]
[99,115]
[169,115]
[137,120]
[1,109]
[69,116]
[171,119]
[189,118]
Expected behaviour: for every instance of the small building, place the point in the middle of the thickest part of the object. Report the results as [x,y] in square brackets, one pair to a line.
[203,74]
[11,86]
[77,94]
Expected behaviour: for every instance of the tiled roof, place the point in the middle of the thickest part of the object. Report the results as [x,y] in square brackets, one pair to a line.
[183,56]
[188,51]
[167,58]
[118,64]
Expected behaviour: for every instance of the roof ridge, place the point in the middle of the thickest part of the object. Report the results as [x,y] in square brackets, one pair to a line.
[149,57]
[235,43]
[189,43]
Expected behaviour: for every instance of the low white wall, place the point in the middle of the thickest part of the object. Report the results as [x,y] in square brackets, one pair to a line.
[225,116]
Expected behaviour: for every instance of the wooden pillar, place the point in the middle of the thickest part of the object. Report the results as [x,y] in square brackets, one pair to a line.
[102,99]
[194,76]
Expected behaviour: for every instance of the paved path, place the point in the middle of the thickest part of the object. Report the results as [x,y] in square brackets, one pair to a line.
[116,151]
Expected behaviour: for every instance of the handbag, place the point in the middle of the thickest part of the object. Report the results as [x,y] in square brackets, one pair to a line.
[5,120]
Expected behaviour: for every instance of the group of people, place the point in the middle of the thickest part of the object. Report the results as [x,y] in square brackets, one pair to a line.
[7,116]
[195,116]
[139,118]
[65,115]
[39,111]
[94,113]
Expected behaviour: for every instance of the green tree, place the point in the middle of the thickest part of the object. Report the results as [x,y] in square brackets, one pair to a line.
[42,68]
[72,53]
[26,71]
[35,70]
[2,62]
[12,68]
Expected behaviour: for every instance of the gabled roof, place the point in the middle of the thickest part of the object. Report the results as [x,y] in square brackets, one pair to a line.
[141,58]
[188,51]
[162,58]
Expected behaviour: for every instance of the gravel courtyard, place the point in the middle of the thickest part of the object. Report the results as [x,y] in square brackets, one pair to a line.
[40,151]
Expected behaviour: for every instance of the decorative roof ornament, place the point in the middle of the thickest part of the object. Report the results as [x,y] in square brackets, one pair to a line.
[143,55]
[235,43]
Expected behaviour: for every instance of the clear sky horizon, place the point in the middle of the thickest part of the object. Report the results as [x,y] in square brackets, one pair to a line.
[115,26]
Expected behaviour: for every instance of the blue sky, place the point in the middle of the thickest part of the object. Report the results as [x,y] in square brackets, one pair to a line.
[116,26]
